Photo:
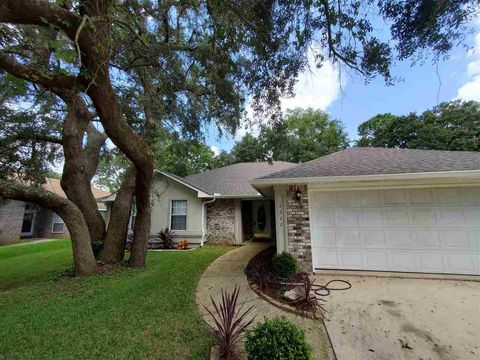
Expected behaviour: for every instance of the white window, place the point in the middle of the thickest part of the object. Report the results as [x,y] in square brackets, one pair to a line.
[57,224]
[133,216]
[178,215]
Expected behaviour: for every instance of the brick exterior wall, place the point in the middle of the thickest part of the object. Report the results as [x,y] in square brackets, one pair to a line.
[221,221]
[43,225]
[298,222]
[11,219]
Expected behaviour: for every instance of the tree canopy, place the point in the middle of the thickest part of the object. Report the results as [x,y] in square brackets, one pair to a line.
[303,135]
[451,125]
[182,157]
[138,67]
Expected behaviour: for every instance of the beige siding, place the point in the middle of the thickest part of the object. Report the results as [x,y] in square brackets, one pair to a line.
[164,191]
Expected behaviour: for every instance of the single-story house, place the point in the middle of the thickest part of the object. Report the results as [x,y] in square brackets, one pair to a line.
[21,220]
[380,209]
[358,209]
[218,206]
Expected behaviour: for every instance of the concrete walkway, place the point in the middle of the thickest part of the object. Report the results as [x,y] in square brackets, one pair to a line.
[227,271]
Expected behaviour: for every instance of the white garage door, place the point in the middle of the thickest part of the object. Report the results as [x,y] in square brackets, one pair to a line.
[417,230]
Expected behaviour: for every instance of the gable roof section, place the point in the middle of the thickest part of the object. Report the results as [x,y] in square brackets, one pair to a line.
[185,182]
[359,161]
[54,186]
[233,180]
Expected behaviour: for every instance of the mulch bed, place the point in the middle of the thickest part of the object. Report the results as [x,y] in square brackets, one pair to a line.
[259,272]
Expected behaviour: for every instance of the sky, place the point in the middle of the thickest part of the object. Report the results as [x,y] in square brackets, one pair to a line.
[345,96]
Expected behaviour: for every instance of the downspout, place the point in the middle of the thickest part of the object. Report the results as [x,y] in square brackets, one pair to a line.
[204,218]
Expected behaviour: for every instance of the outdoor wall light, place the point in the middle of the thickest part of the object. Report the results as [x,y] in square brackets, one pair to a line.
[298,195]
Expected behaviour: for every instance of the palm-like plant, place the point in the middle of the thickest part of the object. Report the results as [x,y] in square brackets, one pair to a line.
[229,323]
[166,237]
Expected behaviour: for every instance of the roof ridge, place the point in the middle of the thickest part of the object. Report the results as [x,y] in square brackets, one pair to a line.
[409,149]
[367,161]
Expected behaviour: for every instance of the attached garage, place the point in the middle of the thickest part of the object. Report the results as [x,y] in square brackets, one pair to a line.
[378,209]
[432,230]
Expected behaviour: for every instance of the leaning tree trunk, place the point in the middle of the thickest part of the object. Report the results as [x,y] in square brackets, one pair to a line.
[114,247]
[138,151]
[141,230]
[77,172]
[84,261]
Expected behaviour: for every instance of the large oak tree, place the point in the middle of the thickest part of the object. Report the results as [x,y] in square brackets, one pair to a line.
[137,66]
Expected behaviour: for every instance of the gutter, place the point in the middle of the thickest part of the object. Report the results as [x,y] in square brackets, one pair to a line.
[471,174]
[204,218]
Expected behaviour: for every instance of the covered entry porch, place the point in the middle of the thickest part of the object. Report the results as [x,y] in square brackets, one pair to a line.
[258,220]
[236,221]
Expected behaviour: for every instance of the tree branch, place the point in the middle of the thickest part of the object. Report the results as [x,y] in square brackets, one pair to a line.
[38,12]
[91,152]
[49,80]
[34,137]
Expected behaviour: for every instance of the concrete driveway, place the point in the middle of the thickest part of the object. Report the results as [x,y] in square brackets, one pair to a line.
[393,318]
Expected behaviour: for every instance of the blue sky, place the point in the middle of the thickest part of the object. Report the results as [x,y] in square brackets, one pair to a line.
[458,77]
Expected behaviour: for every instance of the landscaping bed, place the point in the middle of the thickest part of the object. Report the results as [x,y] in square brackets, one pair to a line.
[263,279]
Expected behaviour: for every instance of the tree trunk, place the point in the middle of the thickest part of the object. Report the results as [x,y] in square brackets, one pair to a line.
[138,151]
[75,179]
[141,230]
[114,248]
[84,261]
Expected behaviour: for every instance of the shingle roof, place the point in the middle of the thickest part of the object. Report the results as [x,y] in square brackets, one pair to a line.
[54,186]
[185,180]
[233,180]
[379,161]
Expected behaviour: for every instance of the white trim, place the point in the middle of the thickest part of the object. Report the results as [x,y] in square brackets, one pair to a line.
[204,220]
[240,196]
[201,193]
[170,216]
[61,222]
[474,174]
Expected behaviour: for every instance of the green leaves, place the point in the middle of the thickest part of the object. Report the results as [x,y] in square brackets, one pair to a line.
[451,125]
[12,86]
[304,135]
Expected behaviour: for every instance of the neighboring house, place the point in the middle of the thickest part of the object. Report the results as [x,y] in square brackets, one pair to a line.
[20,220]
[380,209]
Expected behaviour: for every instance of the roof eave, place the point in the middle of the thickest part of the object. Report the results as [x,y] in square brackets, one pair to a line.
[200,192]
[471,174]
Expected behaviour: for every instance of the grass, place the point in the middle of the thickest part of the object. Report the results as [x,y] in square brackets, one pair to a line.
[126,314]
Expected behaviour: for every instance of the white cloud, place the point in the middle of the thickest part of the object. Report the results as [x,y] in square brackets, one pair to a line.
[215,149]
[316,87]
[471,89]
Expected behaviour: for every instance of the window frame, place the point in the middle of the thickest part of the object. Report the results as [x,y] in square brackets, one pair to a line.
[57,222]
[132,218]
[171,215]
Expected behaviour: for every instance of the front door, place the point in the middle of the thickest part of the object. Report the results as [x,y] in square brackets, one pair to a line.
[262,219]
[28,221]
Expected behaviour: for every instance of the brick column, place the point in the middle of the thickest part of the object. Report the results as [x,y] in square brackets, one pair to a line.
[298,222]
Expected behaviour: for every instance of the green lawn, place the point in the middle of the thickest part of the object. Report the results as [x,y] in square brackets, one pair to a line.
[129,314]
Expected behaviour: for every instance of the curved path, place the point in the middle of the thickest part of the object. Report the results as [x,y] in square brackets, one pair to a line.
[227,271]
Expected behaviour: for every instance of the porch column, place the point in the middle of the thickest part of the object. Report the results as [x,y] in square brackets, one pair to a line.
[281,229]
[238,222]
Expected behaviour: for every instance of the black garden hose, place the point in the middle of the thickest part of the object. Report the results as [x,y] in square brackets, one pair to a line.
[324,290]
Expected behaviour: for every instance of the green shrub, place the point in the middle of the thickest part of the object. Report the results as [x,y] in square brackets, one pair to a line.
[285,265]
[276,339]
[97,246]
